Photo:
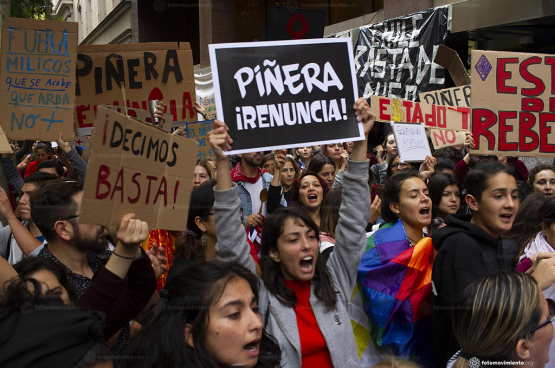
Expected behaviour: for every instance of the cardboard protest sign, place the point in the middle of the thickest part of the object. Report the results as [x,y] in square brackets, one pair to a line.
[150,71]
[135,167]
[141,115]
[199,131]
[412,142]
[450,60]
[5,146]
[395,58]
[209,104]
[433,116]
[454,97]
[513,109]
[444,138]
[275,95]
[38,78]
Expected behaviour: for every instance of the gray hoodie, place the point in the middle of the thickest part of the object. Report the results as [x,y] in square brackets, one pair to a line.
[342,264]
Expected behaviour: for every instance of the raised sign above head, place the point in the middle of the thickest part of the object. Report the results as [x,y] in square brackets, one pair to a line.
[38,78]
[513,104]
[411,141]
[280,94]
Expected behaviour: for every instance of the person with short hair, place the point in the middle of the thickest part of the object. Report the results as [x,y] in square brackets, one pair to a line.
[21,238]
[51,167]
[268,163]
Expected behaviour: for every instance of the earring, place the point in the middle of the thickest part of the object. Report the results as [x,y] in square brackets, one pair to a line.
[203,240]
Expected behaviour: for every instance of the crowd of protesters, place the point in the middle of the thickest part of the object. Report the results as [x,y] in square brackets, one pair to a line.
[342,255]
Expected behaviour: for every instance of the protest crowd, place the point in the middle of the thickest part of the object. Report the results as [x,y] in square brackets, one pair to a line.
[371,246]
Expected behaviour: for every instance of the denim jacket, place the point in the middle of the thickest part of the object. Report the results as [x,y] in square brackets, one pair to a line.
[245,197]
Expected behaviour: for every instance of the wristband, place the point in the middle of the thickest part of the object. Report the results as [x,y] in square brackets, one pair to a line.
[124,257]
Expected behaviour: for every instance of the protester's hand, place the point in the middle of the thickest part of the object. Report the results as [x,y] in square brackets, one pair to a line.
[64,146]
[344,158]
[182,131]
[200,110]
[364,115]
[253,220]
[379,151]
[543,269]
[5,205]
[159,113]
[131,233]
[468,141]
[158,260]
[503,160]
[427,168]
[219,139]
[375,209]
[279,158]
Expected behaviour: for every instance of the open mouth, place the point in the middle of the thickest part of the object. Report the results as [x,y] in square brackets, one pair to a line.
[424,211]
[306,264]
[252,347]
[506,217]
[312,197]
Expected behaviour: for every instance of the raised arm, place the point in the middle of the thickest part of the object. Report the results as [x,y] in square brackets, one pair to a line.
[232,239]
[354,213]
[73,156]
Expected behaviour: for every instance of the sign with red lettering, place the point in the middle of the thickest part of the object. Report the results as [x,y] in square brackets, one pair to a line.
[445,137]
[139,168]
[513,103]
[433,116]
[37,87]
[149,71]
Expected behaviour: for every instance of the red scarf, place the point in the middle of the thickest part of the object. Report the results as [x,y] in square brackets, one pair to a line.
[238,175]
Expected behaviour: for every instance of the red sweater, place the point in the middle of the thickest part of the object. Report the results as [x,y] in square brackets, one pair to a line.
[314,349]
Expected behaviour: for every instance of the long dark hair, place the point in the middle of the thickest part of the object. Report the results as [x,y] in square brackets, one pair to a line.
[436,186]
[329,211]
[188,299]
[271,271]
[296,200]
[201,204]
[318,161]
[391,193]
[535,209]
[30,265]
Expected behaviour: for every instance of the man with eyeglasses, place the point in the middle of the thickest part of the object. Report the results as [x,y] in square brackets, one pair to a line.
[80,248]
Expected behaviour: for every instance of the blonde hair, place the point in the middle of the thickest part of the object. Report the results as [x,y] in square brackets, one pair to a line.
[493,314]
[203,162]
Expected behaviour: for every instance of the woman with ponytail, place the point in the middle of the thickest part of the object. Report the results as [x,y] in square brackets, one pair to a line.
[502,318]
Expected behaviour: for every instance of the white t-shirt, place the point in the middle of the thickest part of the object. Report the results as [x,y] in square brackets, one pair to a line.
[254,191]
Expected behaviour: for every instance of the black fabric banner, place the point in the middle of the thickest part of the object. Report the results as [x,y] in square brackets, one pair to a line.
[394,58]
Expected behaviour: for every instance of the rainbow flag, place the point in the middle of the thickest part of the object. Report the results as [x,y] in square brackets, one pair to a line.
[395,283]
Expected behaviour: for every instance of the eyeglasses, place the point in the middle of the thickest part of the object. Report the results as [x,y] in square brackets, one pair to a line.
[66,219]
[550,318]
[401,165]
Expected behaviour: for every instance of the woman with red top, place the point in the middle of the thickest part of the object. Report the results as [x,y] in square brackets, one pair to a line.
[42,153]
[303,300]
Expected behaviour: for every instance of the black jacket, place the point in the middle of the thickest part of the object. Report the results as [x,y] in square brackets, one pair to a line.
[466,252]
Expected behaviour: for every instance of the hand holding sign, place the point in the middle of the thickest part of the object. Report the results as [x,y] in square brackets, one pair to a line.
[367,117]
[469,141]
[131,232]
[220,140]
[427,168]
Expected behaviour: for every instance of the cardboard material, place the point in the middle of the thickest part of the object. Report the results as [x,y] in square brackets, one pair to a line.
[141,115]
[275,95]
[450,60]
[37,86]
[209,104]
[412,142]
[135,167]
[433,116]
[149,71]
[453,97]
[199,131]
[444,138]
[513,109]
[5,146]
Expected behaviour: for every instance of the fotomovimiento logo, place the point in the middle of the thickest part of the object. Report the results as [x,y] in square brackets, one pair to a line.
[159,5]
[474,362]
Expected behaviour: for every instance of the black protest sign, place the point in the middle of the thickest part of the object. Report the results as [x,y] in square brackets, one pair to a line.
[280,94]
[394,58]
